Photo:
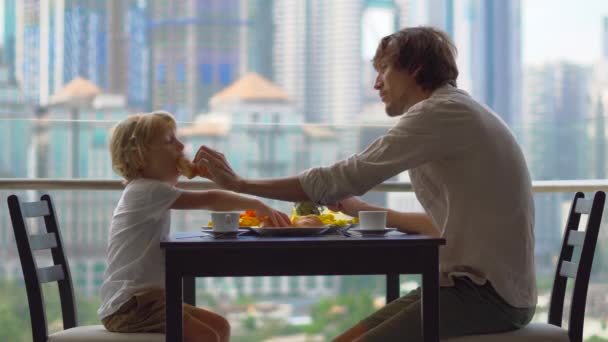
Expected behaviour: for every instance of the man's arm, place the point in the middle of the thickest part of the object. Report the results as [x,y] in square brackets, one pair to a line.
[419,223]
[216,168]
[284,189]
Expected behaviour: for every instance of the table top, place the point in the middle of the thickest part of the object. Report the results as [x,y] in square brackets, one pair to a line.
[198,239]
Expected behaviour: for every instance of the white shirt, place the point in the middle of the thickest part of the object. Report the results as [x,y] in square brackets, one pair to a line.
[470,176]
[135,260]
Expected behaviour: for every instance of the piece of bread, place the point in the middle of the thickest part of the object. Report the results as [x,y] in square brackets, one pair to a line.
[307,221]
[187,168]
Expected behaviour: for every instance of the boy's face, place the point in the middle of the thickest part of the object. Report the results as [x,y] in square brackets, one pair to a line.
[161,157]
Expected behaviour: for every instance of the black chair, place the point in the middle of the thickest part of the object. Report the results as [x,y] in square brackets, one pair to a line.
[566,268]
[59,272]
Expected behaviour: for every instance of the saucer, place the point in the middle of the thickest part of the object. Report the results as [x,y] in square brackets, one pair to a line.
[364,231]
[233,233]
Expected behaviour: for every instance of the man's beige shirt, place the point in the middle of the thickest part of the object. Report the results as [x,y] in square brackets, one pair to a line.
[470,176]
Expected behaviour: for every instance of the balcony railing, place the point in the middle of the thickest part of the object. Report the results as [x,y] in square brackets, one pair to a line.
[104,184]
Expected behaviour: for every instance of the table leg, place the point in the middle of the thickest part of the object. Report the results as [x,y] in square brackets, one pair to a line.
[430,298]
[173,297]
[392,287]
[189,290]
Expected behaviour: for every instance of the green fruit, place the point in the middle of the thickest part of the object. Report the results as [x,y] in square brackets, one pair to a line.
[307,208]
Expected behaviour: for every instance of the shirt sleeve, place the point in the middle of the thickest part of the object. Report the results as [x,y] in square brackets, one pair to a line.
[161,198]
[431,132]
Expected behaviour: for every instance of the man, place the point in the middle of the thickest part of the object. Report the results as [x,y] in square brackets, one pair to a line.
[468,173]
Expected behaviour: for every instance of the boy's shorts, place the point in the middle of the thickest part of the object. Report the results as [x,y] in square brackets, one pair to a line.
[465,309]
[142,313]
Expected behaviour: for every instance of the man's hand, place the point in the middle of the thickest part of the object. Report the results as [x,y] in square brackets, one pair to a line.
[213,165]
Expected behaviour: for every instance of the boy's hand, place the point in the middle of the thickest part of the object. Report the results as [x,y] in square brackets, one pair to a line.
[276,218]
[213,165]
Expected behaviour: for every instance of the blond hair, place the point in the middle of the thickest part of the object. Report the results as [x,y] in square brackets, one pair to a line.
[130,139]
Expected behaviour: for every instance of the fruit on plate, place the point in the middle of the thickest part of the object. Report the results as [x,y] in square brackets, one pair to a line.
[248,219]
[306,208]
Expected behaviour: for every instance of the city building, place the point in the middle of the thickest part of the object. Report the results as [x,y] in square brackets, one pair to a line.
[318,57]
[57,41]
[200,47]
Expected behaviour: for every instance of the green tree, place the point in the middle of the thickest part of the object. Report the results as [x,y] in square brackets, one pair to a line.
[14,310]
[333,316]
[595,338]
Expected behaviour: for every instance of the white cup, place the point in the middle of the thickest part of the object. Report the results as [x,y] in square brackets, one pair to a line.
[225,221]
[372,220]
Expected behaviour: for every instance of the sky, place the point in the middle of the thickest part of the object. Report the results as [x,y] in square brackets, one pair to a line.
[562,30]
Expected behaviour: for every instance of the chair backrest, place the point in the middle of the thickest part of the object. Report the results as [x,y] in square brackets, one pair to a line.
[581,270]
[33,275]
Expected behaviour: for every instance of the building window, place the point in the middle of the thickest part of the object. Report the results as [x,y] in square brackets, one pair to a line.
[180,72]
[206,74]
[225,74]
[160,73]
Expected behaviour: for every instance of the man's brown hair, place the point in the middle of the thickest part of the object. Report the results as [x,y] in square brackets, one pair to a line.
[425,49]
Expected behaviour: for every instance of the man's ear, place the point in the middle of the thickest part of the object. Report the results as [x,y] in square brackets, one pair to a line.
[415,70]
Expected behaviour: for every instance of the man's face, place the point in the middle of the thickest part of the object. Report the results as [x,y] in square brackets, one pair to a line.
[396,88]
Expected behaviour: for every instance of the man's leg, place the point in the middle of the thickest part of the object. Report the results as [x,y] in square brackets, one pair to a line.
[379,316]
[465,309]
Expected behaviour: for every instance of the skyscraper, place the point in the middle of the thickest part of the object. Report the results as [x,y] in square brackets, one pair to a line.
[379,19]
[200,47]
[318,57]
[10,26]
[58,41]
[436,13]
[495,53]
[554,142]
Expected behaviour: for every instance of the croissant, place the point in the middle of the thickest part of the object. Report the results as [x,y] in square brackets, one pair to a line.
[187,168]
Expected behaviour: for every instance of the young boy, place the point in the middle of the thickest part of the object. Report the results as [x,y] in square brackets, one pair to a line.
[145,152]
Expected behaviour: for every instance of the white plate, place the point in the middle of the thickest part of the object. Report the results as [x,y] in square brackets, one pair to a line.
[290,231]
[224,234]
[372,231]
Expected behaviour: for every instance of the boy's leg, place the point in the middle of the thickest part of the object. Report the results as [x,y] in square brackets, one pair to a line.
[466,309]
[211,319]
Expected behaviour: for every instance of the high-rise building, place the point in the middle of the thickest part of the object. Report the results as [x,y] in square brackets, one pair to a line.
[554,141]
[555,108]
[436,13]
[199,47]
[318,57]
[379,19]
[495,53]
[9,39]
[58,41]
[128,52]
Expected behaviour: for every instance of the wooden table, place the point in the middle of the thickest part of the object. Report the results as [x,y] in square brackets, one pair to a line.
[188,255]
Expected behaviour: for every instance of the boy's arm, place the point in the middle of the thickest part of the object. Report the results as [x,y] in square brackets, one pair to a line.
[220,200]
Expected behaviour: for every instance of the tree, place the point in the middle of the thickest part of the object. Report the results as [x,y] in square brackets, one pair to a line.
[333,316]
[15,315]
